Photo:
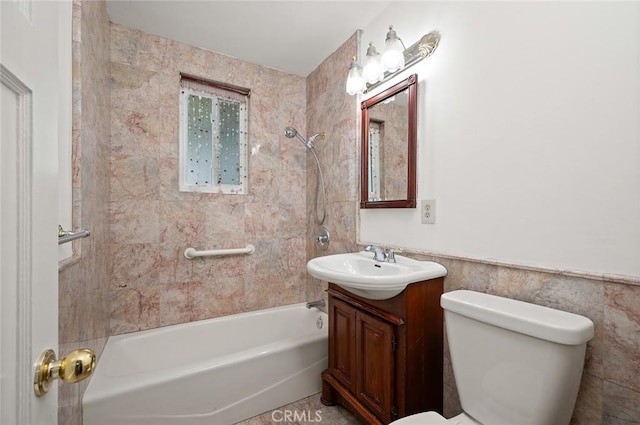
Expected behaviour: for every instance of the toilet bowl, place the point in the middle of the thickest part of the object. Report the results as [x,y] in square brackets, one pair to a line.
[514,363]
[433,418]
[426,418]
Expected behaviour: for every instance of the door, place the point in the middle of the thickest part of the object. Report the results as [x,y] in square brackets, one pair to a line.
[342,340]
[35,42]
[374,351]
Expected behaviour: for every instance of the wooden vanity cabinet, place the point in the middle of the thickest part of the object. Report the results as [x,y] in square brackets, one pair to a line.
[385,356]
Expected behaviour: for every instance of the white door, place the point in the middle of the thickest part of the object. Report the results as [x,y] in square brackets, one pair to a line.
[30,58]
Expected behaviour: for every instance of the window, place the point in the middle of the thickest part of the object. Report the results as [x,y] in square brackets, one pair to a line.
[213,137]
[376,132]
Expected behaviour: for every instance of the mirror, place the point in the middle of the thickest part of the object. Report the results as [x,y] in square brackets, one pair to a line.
[389,139]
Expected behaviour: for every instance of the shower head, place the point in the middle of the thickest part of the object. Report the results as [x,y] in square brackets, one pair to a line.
[291,132]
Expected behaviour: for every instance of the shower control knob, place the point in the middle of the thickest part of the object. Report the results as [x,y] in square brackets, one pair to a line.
[74,367]
[323,239]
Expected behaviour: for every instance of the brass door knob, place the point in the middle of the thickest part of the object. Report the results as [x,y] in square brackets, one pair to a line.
[74,367]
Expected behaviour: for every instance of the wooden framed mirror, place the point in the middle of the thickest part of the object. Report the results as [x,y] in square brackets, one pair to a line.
[389,144]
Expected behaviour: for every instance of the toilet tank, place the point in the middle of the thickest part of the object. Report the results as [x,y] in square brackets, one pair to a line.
[514,362]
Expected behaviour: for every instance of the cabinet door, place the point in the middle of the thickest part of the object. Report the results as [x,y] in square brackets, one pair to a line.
[342,335]
[374,352]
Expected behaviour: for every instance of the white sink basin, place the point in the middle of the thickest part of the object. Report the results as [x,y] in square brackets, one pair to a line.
[359,273]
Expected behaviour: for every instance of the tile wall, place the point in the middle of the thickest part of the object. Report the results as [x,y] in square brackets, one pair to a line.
[152,223]
[331,110]
[84,280]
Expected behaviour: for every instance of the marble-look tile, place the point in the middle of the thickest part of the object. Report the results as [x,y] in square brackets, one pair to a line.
[134,177]
[468,275]
[225,221]
[622,335]
[588,408]
[182,224]
[622,365]
[621,405]
[84,283]
[134,221]
[292,186]
[134,309]
[263,184]
[261,219]
[292,220]
[134,265]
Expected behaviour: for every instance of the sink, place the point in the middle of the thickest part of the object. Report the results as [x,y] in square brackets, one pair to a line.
[359,273]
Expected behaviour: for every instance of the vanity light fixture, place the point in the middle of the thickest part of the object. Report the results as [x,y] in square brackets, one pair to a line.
[355,81]
[395,58]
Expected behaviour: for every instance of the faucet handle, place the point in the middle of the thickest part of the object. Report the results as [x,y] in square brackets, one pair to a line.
[391,254]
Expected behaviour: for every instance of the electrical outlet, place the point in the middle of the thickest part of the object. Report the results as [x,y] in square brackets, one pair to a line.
[428,211]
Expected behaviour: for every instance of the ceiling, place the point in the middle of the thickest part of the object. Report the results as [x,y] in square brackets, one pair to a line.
[292,36]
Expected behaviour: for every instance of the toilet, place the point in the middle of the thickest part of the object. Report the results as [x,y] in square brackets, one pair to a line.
[514,363]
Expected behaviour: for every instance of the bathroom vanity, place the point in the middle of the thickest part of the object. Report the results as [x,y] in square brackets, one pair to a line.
[385,356]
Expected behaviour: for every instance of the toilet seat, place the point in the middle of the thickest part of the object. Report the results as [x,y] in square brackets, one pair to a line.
[426,418]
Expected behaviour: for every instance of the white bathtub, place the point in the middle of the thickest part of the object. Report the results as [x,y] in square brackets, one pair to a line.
[217,371]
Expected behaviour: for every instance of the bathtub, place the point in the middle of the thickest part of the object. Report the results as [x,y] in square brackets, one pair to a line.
[217,371]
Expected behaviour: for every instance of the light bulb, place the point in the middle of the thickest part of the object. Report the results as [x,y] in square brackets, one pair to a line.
[393,56]
[355,81]
[373,71]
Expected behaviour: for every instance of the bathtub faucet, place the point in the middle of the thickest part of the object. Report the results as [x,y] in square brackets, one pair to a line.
[319,303]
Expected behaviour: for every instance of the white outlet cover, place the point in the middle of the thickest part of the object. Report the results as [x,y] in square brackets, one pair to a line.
[428,211]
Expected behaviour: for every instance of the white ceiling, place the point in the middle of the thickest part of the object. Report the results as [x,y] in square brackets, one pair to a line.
[292,36]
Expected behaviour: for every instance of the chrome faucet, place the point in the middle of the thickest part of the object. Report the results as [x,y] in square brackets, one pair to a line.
[319,303]
[379,253]
[382,254]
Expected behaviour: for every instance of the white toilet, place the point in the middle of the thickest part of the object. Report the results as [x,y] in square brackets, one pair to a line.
[514,363]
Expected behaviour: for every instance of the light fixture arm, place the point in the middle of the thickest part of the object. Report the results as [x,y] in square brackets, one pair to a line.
[422,49]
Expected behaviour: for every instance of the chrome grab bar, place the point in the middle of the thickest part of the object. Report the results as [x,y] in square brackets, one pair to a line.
[65,236]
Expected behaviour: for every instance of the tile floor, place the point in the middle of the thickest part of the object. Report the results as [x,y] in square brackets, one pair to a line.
[304,412]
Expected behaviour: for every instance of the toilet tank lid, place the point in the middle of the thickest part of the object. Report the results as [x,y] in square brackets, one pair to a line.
[519,316]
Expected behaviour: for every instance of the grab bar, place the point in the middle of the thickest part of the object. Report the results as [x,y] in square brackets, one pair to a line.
[191,253]
[65,236]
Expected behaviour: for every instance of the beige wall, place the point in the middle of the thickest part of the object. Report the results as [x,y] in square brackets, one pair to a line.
[152,223]
[84,280]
